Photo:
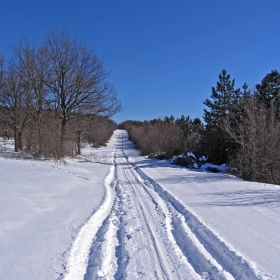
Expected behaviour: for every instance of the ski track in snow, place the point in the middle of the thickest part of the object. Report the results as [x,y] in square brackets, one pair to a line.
[142,231]
[79,253]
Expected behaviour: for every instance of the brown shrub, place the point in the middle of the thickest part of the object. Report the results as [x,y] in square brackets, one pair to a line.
[258,135]
[157,137]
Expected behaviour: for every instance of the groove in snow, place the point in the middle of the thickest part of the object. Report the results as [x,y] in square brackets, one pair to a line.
[79,253]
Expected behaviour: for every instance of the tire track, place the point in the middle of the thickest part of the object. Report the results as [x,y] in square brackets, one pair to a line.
[209,255]
[231,261]
[185,242]
[79,255]
[162,256]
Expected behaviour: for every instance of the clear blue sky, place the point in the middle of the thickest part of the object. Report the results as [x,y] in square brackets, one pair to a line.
[164,55]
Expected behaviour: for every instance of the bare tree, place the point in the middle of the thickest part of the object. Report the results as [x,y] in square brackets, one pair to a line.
[53,93]
[14,98]
[77,80]
[32,65]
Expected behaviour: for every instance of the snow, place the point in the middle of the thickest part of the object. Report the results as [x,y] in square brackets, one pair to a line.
[43,206]
[195,166]
[173,160]
[190,154]
[221,168]
[203,158]
[112,214]
[79,254]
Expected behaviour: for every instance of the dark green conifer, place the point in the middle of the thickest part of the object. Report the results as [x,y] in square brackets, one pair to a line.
[269,90]
[225,99]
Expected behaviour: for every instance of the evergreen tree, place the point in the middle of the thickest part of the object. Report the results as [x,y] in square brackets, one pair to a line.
[170,119]
[269,90]
[225,99]
[189,126]
[240,112]
[185,125]
[197,125]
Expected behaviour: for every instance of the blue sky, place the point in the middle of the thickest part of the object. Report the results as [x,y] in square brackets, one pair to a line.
[164,56]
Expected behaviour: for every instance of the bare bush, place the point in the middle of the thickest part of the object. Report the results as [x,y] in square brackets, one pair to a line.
[156,137]
[49,134]
[101,131]
[258,135]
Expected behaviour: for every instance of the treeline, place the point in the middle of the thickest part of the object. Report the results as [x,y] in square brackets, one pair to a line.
[54,96]
[241,127]
[166,137]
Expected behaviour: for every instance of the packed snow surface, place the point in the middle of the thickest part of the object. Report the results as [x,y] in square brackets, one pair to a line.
[112,214]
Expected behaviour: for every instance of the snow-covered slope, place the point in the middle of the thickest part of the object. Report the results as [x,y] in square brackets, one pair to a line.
[112,214]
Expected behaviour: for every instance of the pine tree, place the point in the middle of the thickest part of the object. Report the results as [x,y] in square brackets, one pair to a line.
[170,119]
[225,99]
[197,125]
[185,124]
[269,90]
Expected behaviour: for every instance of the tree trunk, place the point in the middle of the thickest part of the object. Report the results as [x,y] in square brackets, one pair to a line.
[16,137]
[7,134]
[62,138]
[79,142]
[20,146]
[40,134]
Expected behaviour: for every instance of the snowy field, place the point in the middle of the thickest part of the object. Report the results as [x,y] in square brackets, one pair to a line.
[112,214]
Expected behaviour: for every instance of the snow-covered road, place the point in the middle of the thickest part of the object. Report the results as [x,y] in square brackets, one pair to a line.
[112,214]
[148,234]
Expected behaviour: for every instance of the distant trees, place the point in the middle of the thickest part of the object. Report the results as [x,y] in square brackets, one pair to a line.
[192,130]
[166,137]
[156,137]
[101,129]
[55,93]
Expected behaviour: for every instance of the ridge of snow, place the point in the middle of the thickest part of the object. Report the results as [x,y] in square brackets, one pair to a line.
[79,253]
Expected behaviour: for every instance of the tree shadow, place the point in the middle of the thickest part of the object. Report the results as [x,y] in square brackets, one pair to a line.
[247,198]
